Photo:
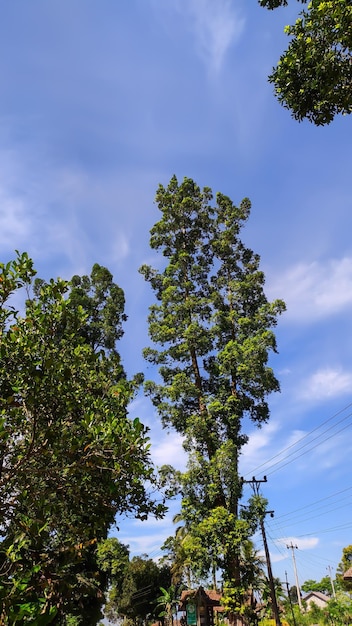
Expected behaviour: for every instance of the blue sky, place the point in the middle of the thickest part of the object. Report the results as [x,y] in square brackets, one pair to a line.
[102,101]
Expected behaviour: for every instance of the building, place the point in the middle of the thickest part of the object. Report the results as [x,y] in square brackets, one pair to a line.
[317,598]
[201,606]
[348,575]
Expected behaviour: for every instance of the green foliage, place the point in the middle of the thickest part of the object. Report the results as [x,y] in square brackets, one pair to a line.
[167,603]
[340,609]
[140,590]
[295,617]
[344,565]
[113,558]
[70,458]
[178,558]
[20,601]
[314,76]
[103,303]
[241,599]
[274,4]
[324,586]
[211,327]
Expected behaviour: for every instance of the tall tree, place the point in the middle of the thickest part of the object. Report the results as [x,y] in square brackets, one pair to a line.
[313,78]
[211,328]
[70,458]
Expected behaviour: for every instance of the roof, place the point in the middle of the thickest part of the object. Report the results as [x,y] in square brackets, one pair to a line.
[210,596]
[348,575]
[316,594]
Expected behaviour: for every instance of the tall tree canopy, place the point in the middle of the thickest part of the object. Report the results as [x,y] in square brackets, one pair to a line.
[70,458]
[313,78]
[211,326]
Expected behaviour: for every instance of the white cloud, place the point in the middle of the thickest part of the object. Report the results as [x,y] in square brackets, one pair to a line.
[142,544]
[257,450]
[327,383]
[149,535]
[215,25]
[277,557]
[16,222]
[169,451]
[302,543]
[15,226]
[315,290]
[269,452]
[216,28]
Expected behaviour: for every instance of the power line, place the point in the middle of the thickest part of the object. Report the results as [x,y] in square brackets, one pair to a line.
[309,449]
[306,506]
[344,526]
[296,454]
[307,435]
[299,519]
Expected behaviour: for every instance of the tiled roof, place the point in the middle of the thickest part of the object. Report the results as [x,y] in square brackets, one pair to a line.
[211,595]
[316,594]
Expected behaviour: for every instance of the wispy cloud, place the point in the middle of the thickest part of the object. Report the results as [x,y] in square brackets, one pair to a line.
[148,536]
[315,290]
[269,448]
[302,543]
[327,383]
[216,26]
[276,558]
[15,225]
[257,450]
[169,451]
[276,450]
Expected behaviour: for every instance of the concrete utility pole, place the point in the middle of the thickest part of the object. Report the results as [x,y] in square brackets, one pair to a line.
[255,486]
[331,580]
[293,548]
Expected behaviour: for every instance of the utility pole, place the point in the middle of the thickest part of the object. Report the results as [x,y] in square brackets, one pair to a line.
[293,548]
[332,582]
[289,599]
[255,486]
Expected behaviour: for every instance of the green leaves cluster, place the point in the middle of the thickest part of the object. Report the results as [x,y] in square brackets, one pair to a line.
[343,566]
[313,77]
[70,458]
[136,596]
[167,604]
[323,586]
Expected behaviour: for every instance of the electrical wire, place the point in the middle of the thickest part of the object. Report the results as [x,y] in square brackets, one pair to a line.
[298,519]
[306,506]
[296,448]
[278,465]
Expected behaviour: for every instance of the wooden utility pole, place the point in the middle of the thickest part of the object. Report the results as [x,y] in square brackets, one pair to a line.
[255,486]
